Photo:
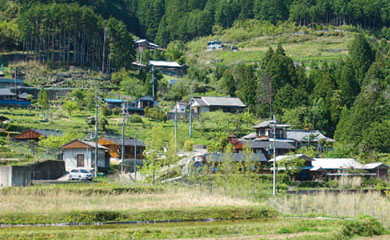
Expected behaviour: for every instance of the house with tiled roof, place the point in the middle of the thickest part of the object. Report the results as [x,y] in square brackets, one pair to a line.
[210,104]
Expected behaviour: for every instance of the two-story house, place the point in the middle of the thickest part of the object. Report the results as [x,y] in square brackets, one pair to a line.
[262,141]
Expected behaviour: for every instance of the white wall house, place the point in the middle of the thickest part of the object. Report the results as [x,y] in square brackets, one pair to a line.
[81,154]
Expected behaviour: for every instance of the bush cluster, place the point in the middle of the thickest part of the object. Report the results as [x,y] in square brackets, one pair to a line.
[363,226]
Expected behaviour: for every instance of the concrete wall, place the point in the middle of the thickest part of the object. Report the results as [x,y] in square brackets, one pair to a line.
[5,176]
[15,176]
[47,170]
[21,175]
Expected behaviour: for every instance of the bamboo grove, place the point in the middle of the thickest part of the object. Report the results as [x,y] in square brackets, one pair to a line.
[74,34]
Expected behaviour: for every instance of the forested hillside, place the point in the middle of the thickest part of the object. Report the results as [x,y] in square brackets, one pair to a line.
[166,20]
[315,64]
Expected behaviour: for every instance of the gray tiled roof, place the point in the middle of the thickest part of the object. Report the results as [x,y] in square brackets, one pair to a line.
[304,135]
[6,92]
[46,132]
[250,136]
[266,124]
[237,157]
[223,101]
[23,95]
[128,141]
[145,98]
[199,102]
[269,144]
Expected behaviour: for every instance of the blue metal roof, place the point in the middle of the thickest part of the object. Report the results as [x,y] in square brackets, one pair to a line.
[15,102]
[11,80]
[113,100]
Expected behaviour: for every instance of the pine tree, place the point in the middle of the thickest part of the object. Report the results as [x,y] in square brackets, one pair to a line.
[362,55]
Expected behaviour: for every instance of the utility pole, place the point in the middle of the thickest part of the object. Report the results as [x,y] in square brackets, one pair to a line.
[96,126]
[153,91]
[175,126]
[135,156]
[123,139]
[16,78]
[274,167]
[190,130]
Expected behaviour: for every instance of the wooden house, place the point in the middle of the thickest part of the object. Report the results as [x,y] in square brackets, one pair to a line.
[143,44]
[8,98]
[36,134]
[81,154]
[139,105]
[264,130]
[295,137]
[114,102]
[169,68]
[380,170]
[114,146]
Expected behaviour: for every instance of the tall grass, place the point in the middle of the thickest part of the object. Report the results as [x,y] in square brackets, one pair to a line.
[54,200]
[337,205]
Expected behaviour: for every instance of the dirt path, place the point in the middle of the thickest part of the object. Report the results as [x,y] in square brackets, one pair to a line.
[256,237]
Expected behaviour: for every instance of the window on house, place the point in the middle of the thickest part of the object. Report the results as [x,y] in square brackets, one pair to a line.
[80,160]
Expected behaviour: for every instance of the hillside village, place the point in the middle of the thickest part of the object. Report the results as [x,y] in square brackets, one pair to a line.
[150,119]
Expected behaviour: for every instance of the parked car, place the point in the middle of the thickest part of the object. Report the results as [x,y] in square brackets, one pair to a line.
[80,174]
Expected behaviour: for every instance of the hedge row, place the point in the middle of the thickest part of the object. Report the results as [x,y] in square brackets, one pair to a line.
[222,213]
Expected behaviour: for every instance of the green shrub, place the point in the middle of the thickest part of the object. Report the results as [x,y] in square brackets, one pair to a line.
[332,184]
[363,226]
[155,114]
[189,145]
[116,111]
[376,183]
[134,118]
[92,216]
[312,184]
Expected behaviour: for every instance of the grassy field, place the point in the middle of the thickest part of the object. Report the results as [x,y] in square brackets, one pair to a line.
[303,45]
[338,205]
[92,197]
[108,201]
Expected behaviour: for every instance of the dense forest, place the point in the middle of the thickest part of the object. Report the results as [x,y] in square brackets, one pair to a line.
[166,20]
